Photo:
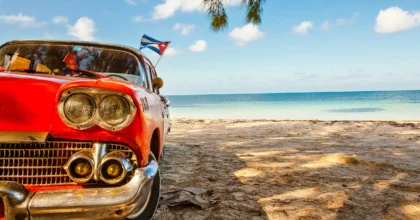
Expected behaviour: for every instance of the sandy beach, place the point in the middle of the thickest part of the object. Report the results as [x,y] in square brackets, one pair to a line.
[294,169]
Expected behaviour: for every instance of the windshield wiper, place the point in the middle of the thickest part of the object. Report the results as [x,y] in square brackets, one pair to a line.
[87,72]
[28,71]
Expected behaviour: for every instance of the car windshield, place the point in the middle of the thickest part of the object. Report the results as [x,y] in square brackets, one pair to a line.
[64,59]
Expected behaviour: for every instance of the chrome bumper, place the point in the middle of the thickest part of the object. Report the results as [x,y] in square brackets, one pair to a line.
[120,202]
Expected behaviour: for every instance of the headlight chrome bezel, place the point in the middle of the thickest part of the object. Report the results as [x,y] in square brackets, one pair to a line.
[97,94]
[83,125]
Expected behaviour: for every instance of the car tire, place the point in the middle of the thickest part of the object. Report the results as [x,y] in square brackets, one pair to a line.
[154,197]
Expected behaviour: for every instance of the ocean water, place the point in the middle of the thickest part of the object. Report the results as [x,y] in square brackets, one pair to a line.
[371,105]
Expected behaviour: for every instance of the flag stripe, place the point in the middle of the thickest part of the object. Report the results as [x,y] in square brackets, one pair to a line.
[157,46]
[154,49]
[145,37]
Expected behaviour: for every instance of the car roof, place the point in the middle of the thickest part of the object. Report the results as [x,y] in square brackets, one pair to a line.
[86,43]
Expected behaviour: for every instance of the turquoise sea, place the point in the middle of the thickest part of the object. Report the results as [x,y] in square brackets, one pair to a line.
[370,105]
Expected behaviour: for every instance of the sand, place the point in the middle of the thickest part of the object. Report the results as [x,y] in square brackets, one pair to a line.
[295,169]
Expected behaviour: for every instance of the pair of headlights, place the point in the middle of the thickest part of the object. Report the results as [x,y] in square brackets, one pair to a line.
[81,108]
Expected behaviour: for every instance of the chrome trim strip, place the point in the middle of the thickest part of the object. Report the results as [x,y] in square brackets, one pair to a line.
[98,152]
[19,137]
[131,50]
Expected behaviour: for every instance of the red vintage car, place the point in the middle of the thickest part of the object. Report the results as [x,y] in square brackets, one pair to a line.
[82,127]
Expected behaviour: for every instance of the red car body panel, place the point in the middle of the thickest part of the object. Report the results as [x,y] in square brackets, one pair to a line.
[21,105]
[29,103]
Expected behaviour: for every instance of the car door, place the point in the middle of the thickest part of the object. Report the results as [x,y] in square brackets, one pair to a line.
[164,102]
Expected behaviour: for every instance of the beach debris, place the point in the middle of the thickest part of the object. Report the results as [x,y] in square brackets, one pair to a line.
[212,179]
[189,196]
[239,196]
[192,145]
[351,203]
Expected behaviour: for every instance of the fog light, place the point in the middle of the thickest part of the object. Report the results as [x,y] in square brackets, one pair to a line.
[83,168]
[79,167]
[114,169]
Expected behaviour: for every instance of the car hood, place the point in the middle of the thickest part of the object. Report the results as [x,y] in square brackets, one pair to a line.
[27,101]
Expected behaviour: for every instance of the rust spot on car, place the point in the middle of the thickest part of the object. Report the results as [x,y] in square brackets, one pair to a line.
[145,104]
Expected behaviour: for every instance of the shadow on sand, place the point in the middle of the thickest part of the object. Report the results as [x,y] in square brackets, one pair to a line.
[295,169]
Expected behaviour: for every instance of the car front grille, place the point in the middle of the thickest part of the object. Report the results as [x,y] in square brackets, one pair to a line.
[41,164]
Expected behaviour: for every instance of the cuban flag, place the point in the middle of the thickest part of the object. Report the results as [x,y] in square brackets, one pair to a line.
[158,46]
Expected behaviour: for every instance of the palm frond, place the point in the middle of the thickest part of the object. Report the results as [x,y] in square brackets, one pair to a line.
[219,18]
[254,11]
[217,13]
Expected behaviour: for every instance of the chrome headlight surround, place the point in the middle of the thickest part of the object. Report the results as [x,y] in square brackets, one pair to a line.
[130,114]
[119,158]
[81,155]
[61,105]
[98,95]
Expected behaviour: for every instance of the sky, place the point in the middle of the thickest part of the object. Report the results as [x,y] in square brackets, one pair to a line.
[301,45]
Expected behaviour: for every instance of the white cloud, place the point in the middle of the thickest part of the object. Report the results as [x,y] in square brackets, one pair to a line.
[343,21]
[327,25]
[303,27]
[172,51]
[245,34]
[84,29]
[131,2]
[184,28]
[199,46]
[138,19]
[21,20]
[169,7]
[395,19]
[60,20]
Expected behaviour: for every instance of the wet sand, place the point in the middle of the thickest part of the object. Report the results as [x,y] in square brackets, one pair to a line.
[295,169]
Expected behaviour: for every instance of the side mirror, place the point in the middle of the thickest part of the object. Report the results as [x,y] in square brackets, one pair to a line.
[157,83]
[2,69]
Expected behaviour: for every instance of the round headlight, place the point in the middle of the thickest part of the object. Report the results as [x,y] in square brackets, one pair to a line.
[79,108]
[114,109]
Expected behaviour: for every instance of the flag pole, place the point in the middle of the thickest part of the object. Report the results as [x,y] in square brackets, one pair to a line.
[158,61]
[162,54]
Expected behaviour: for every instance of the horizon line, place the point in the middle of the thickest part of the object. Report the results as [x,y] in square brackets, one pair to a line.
[210,94]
